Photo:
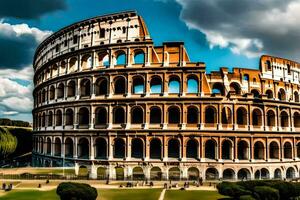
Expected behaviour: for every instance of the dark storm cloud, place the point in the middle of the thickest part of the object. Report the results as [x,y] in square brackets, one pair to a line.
[246,26]
[29,9]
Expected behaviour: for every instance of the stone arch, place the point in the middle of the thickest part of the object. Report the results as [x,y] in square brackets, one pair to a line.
[287,150]
[83,148]
[155,115]
[174,115]
[274,150]
[241,116]
[227,149]
[192,85]
[69,147]
[271,118]
[50,118]
[86,61]
[85,87]
[60,90]
[277,173]
[58,118]
[120,85]
[211,174]
[243,150]
[174,173]
[138,85]
[174,148]
[71,87]
[269,94]
[192,149]
[120,57]
[101,86]
[119,115]
[137,115]
[290,173]
[101,148]
[137,148]
[119,148]
[226,115]
[138,56]
[281,94]
[244,174]
[210,115]
[101,117]
[57,147]
[255,93]
[119,173]
[210,149]
[52,92]
[193,173]
[156,85]
[138,173]
[259,150]
[155,148]
[69,117]
[284,119]
[84,116]
[83,171]
[155,173]
[296,120]
[296,96]
[228,174]
[256,117]
[218,88]
[235,88]
[174,85]
[192,115]
[102,173]
[48,146]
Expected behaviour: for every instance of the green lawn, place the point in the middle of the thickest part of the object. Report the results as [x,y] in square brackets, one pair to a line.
[192,195]
[30,195]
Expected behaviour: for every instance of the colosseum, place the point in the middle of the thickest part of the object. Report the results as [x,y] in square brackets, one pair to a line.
[107,101]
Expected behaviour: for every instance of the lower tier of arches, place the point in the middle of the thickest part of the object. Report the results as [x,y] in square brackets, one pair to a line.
[130,170]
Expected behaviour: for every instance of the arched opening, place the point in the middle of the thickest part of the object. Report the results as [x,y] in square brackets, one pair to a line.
[139,57]
[210,115]
[85,87]
[103,59]
[174,85]
[235,88]
[244,174]
[155,149]
[83,171]
[192,149]
[43,119]
[218,88]
[155,173]
[241,116]
[256,117]
[259,150]
[255,93]
[119,148]
[101,148]
[48,144]
[287,150]
[227,150]
[121,58]
[137,115]
[264,173]
[137,148]
[83,116]
[44,96]
[101,173]
[173,115]
[71,89]
[193,173]
[138,85]
[281,94]
[174,174]
[277,174]
[228,174]
[120,85]
[155,115]
[119,115]
[69,117]
[274,150]
[245,77]
[192,85]
[58,118]
[83,148]
[174,148]
[270,118]
[226,116]
[41,145]
[138,173]
[192,115]
[210,149]
[57,147]
[296,96]
[290,173]
[269,66]
[156,85]
[86,62]
[243,150]
[52,93]
[69,148]
[50,118]
[101,116]
[211,174]
[284,119]
[269,94]
[296,120]
[119,173]
[298,149]
[60,91]
[101,86]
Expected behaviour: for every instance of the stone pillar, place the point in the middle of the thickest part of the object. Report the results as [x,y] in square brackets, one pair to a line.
[93,173]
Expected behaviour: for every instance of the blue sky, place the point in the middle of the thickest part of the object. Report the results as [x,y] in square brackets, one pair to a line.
[217,32]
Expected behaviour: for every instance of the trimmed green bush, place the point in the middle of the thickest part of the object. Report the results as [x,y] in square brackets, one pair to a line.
[232,190]
[76,191]
[8,143]
[266,193]
[247,197]
[286,190]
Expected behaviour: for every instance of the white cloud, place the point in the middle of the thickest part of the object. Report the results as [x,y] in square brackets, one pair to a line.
[247,27]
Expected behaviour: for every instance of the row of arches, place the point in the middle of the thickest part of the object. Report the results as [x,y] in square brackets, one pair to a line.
[119,86]
[174,114]
[175,150]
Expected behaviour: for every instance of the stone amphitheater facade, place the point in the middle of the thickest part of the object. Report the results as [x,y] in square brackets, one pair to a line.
[109,101]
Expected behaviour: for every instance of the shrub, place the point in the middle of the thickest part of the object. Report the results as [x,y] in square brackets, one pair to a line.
[232,189]
[76,191]
[286,190]
[246,197]
[266,193]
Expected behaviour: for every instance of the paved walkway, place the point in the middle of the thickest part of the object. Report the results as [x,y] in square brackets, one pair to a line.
[162,194]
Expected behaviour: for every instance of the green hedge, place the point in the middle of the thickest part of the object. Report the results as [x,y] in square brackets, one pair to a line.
[8,143]
[266,193]
[76,191]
